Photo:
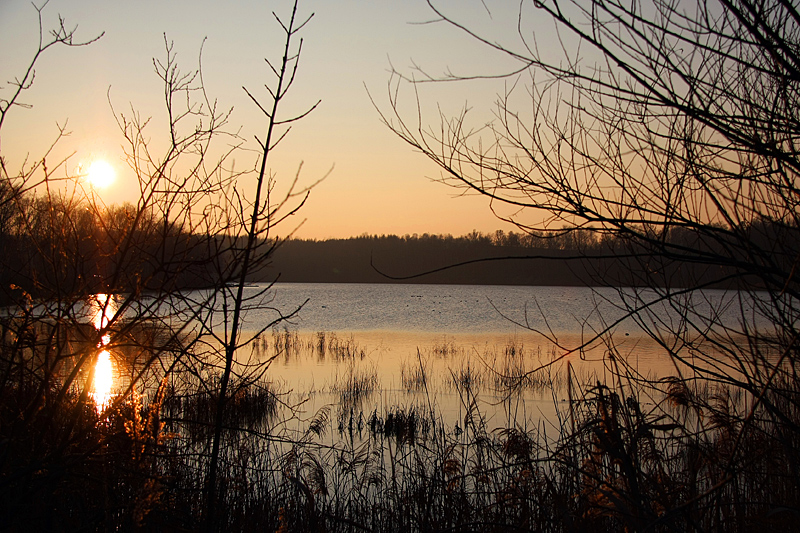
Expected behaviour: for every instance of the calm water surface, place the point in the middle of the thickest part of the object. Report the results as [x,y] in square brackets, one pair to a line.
[456,335]
[414,346]
[442,308]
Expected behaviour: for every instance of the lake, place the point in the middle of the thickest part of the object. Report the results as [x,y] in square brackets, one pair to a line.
[401,346]
[363,349]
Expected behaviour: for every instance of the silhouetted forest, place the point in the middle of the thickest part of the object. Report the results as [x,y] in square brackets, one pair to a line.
[571,256]
[62,244]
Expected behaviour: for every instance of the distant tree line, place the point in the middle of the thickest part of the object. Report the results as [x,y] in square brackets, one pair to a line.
[570,256]
[63,243]
[59,243]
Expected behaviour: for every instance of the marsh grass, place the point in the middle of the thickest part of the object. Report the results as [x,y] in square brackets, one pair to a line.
[252,406]
[628,455]
[447,348]
[355,385]
[467,377]
[404,424]
[286,344]
[413,375]
[625,454]
[329,344]
[494,369]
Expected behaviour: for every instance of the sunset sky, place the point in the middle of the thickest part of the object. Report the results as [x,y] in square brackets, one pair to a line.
[378,183]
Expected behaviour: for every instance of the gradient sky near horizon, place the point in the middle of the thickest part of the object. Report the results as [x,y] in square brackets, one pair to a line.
[378,183]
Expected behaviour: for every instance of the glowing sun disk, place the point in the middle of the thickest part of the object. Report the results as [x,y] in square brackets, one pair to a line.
[100,174]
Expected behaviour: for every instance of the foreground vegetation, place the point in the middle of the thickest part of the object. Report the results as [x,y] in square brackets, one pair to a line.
[674,162]
[669,455]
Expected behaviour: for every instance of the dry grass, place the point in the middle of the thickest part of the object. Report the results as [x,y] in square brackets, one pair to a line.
[630,455]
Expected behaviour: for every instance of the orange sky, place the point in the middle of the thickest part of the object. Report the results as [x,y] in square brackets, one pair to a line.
[378,183]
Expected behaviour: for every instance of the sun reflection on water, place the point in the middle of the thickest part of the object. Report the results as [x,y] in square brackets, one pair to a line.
[103,309]
[103,380]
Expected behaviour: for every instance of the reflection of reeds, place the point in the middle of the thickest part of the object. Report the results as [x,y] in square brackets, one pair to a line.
[467,377]
[356,385]
[287,344]
[510,369]
[190,407]
[320,344]
[447,349]
[413,376]
[344,349]
[323,344]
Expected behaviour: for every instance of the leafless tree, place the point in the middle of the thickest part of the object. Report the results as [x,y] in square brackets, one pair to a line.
[176,263]
[672,128]
[256,220]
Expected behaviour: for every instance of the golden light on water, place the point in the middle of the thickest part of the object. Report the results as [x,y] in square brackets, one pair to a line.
[103,308]
[103,380]
[103,311]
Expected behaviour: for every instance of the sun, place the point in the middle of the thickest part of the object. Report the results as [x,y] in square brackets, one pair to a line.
[100,174]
